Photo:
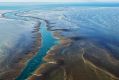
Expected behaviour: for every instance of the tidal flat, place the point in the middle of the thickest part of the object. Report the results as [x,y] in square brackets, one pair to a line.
[60,43]
[89,52]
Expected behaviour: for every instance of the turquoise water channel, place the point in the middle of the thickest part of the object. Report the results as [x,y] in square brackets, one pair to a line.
[48,41]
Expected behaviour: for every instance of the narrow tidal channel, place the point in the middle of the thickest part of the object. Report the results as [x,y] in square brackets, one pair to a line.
[48,41]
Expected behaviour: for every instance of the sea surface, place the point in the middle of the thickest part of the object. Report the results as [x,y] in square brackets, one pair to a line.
[34,5]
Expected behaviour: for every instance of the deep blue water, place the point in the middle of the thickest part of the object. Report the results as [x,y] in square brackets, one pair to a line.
[29,5]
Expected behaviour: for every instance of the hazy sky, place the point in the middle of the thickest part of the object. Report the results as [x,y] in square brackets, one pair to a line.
[59,0]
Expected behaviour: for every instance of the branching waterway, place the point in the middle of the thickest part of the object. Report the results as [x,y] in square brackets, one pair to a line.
[47,42]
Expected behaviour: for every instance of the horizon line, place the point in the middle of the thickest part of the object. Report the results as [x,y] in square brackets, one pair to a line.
[62,2]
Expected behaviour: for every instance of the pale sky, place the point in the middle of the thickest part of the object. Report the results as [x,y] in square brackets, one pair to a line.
[59,0]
